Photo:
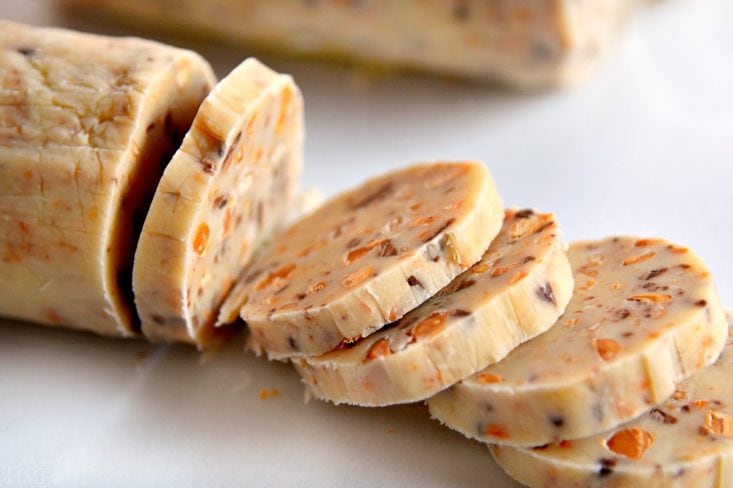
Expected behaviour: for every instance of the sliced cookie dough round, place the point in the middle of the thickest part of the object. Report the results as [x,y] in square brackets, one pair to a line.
[644,315]
[686,441]
[227,189]
[342,271]
[516,291]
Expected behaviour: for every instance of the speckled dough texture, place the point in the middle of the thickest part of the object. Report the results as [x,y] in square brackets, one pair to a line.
[228,188]
[687,441]
[516,291]
[86,125]
[342,272]
[529,43]
[644,315]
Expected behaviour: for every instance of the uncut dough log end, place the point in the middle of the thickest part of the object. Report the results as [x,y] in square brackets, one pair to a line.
[86,125]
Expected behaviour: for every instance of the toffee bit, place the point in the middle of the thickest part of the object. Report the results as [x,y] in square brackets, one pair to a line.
[26,51]
[524,214]
[461,11]
[430,235]
[412,281]
[654,273]
[283,273]
[718,424]
[488,378]
[221,201]
[378,194]
[429,326]
[201,239]
[208,168]
[496,431]
[316,287]
[557,420]
[546,293]
[650,298]
[357,277]
[607,349]
[518,276]
[700,303]
[386,249]
[639,258]
[527,259]
[460,313]
[662,416]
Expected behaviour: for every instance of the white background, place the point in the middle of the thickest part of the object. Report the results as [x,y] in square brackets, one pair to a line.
[645,148]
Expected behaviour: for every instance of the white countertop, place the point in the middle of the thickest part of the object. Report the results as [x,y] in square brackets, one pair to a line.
[646,148]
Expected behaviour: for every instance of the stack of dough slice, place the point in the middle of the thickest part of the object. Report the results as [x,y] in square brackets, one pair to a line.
[644,316]
[686,441]
[516,291]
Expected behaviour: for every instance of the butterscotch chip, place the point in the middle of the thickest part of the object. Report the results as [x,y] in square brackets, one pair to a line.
[631,443]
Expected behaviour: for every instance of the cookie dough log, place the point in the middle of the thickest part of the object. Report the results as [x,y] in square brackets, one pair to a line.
[231,185]
[529,43]
[687,441]
[344,270]
[516,291]
[644,315]
[86,125]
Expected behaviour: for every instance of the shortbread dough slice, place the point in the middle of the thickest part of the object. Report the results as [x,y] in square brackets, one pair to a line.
[87,124]
[516,291]
[644,315]
[226,190]
[342,271]
[687,441]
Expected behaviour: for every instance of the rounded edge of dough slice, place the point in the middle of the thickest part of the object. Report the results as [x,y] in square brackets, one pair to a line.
[229,187]
[342,271]
[644,315]
[687,441]
[516,291]
[100,115]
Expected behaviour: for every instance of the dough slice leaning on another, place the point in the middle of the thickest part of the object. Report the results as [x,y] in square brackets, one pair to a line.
[516,291]
[228,188]
[644,315]
[686,441]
